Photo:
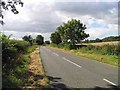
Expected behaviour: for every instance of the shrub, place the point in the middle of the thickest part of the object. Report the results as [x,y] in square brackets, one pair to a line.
[20,45]
[68,46]
[13,60]
[53,45]
[11,81]
[105,50]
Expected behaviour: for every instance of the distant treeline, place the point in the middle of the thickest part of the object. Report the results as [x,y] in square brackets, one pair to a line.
[106,39]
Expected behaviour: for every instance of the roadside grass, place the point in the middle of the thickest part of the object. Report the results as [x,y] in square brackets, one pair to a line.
[91,55]
[35,73]
[108,59]
[32,48]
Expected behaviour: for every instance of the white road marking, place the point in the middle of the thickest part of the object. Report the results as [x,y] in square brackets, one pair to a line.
[109,82]
[72,62]
[56,54]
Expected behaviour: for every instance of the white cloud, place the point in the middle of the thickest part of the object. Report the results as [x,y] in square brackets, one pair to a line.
[96,32]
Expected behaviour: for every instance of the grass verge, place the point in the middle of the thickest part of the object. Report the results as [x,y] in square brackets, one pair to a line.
[35,73]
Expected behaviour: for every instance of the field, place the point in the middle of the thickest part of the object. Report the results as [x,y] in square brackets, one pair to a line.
[102,43]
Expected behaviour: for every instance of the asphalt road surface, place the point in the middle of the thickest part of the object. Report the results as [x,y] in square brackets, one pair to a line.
[70,71]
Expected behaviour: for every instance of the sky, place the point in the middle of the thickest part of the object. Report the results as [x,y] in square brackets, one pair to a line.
[38,17]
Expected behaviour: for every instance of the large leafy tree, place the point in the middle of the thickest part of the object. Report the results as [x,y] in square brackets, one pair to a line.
[40,39]
[73,32]
[28,38]
[55,38]
[9,5]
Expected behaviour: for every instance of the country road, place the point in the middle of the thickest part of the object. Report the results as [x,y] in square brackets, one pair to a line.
[69,71]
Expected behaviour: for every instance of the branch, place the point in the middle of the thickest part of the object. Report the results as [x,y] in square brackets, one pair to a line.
[10,4]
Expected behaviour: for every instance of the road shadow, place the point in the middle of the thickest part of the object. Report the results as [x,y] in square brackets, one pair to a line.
[111,87]
[56,83]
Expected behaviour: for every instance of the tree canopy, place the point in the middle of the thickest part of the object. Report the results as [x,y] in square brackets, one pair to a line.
[55,38]
[40,39]
[72,32]
[28,38]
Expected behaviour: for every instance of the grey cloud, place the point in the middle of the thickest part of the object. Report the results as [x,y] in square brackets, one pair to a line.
[95,9]
[43,19]
[37,27]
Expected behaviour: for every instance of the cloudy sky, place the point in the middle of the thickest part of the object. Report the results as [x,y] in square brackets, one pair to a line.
[42,17]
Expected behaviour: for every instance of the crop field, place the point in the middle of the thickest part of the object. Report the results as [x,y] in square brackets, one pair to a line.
[103,43]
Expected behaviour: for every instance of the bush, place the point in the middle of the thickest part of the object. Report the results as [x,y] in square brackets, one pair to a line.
[11,50]
[68,46]
[53,45]
[13,60]
[20,45]
[105,50]
[11,81]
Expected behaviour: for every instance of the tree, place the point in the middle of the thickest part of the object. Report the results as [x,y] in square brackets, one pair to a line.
[34,40]
[9,4]
[86,41]
[72,32]
[40,40]
[28,38]
[98,40]
[47,42]
[111,38]
[55,38]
